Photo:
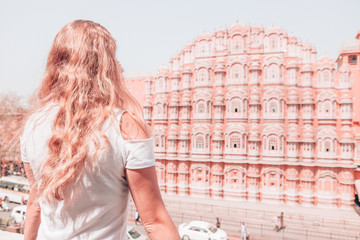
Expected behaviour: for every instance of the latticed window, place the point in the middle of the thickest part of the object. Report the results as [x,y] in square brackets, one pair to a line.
[273,144]
[199,142]
[234,141]
[201,107]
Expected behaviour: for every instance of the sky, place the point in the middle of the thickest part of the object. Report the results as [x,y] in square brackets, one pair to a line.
[149,33]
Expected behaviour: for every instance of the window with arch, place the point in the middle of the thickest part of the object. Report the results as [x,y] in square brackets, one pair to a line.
[273,143]
[327,146]
[235,179]
[235,105]
[238,43]
[157,141]
[235,141]
[236,72]
[273,72]
[327,185]
[159,109]
[201,107]
[200,141]
[203,75]
[273,107]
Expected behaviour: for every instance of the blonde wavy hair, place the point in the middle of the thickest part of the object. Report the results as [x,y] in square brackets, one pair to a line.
[85,80]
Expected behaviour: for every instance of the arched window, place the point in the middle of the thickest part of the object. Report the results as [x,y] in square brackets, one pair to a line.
[273,107]
[273,143]
[203,75]
[201,107]
[236,71]
[235,105]
[238,43]
[159,109]
[157,141]
[235,141]
[327,146]
[273,72]
[199,141]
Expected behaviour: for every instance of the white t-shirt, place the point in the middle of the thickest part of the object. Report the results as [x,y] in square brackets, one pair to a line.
[97,207]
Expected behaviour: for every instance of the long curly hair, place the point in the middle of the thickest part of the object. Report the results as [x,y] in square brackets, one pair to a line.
[85,80]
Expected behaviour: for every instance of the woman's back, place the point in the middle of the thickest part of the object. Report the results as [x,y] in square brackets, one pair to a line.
[96,206]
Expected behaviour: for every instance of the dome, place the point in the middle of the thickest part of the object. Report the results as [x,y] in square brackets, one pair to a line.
[308,97]
[255,66]
[176,74]
[172,134]
[187,70]
[293,134]
[308,134]
[148,102]
[186,99]
[346,98]
[347,138]
[293,96]
[218,133]
[254,97]
[307,68]
[174,100]
[307,46]
[292,64]
[184,132]
[293,39]
[238,28]
[254,134]
[220,68]
[219,97]
[272,30]
[203,36]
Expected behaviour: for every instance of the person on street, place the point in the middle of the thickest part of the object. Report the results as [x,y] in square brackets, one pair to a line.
[218,224]
[243,231]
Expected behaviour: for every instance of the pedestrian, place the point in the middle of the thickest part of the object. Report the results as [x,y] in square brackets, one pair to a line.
[137,217]
[218,224]
[276,221]
[282,220]
[243,232]
[86,147]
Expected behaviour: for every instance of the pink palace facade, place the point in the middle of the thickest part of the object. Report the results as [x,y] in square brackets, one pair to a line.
[252,114]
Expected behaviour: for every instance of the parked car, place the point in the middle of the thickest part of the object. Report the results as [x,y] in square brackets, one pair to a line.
[133,233]
[201,230]
[18,213]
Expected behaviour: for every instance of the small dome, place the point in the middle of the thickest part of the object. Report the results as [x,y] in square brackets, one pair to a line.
[172,134]
[307,46]
[254,134]
[293,134]
[307,68]
[220,68]
[255,66]
[347,137]
[254,97]
[293,96]
[238,28]
[175,74]
[218,133]
[292,64]
[186,99]
[148,102]
[219,97]
[174,100]
[346,98]
[187,70]
[308,134]
[308,97]
[203,36]
[272,30]
[293,39]
[184,132]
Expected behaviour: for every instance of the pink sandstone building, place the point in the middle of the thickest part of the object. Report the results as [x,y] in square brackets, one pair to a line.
[252,114]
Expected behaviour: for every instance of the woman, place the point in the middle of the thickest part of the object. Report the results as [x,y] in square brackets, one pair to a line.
[85,145]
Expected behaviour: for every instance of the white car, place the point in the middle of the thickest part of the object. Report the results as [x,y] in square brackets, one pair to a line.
[18,213]
[200,230]
[133,233]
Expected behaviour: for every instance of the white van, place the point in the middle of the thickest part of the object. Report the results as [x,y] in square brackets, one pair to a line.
[14,189]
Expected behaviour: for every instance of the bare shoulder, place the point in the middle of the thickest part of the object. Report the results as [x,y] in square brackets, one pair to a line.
[131,129]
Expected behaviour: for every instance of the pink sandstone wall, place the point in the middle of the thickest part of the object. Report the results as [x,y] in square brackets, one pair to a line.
[252,114]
